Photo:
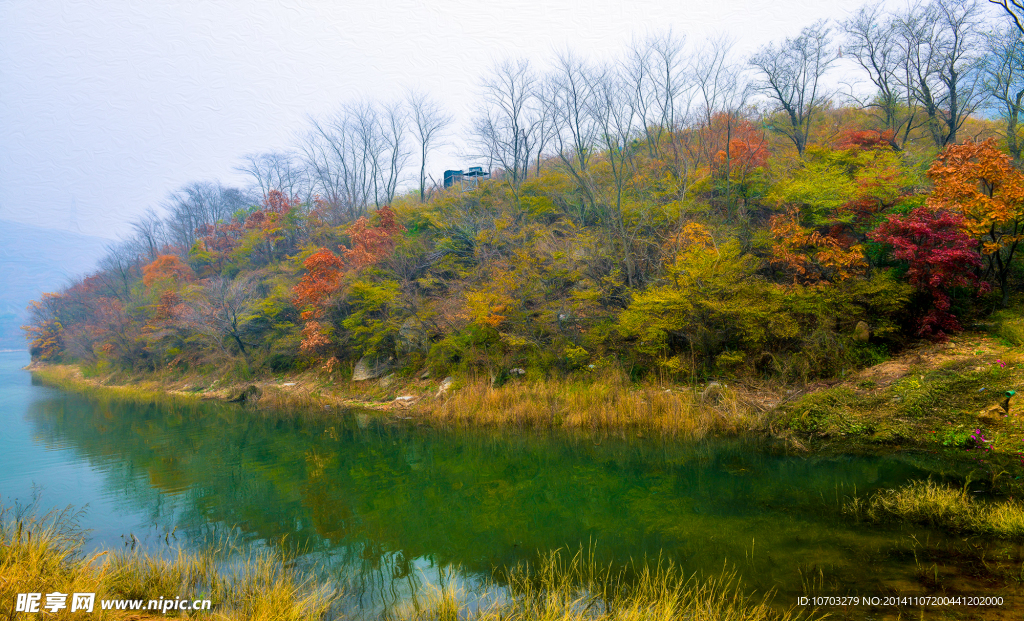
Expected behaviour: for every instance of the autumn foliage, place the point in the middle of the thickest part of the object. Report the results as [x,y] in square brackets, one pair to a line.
[166,269]
[325,271]
[940,258]
[698,247]
[980,183]
[811,256]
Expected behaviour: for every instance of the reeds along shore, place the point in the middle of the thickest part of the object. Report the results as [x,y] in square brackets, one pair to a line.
[45,555]
[607,402]
[946,508]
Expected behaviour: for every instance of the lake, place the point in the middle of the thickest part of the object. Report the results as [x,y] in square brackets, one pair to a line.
[393,508]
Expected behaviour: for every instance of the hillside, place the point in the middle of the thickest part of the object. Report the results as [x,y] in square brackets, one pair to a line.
[640,220]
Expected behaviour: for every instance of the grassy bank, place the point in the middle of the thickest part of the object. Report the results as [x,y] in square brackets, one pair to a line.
[608,401]
[947,397]
[44,555]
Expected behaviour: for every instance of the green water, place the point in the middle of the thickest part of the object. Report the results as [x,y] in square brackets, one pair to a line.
[395,507]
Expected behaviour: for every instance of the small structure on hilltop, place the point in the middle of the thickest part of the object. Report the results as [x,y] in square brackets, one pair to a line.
[465,180]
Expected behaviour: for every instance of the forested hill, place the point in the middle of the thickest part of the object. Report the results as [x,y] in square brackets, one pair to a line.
[674,213]
[34,260]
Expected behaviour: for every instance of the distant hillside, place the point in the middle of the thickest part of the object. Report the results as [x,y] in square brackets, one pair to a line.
[34,260]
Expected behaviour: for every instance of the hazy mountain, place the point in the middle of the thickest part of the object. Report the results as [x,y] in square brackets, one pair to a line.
[34,260]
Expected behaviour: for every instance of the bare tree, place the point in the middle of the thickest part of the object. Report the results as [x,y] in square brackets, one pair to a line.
[394,125]
[618,122]
[721,89]
[873,41]
[655,74]
[120,269]
[545,125]
[669,83]
[365,124]
[277,170]
[572,103]
[506,133]
[638,69]
[333,160]
[942,43]
[1015,9]
[199,204]
[1004,78]
[150,235]
[791,76]
[429,122]
[221,310]
[356,158]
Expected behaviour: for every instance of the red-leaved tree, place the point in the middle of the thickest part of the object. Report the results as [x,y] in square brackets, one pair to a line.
[941,257]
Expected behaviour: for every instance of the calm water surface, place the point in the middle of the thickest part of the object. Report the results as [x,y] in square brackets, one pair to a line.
[399,507]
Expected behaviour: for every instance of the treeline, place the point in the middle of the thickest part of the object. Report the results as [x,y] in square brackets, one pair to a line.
[677,212]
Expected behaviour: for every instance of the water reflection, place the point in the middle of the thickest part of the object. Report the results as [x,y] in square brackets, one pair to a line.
[390,509]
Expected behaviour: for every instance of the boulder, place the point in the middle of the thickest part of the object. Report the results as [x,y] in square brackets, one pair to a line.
[712,393]
[412,336]
[251,394]
[370,368]
[862,332]
[446,385]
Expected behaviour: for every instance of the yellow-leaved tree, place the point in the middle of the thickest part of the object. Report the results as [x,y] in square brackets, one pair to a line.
[713,303]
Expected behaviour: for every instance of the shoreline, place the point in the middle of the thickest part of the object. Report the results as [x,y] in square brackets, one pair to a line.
[930,396]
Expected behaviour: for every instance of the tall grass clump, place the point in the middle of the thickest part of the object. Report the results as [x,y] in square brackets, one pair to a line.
[608,402]
[262,587]
[955,510]
[42,555]
[45,554]
[575,588]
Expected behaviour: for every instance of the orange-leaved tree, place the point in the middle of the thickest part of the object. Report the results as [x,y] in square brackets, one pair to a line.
[166,270]
[743,153]
[324,272]
[977,180]
[321,280]
[809,256]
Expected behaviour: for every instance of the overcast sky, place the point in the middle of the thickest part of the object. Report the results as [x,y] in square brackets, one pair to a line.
[106,107]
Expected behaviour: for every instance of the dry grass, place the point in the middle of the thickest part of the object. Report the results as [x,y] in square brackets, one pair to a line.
[575,589]
[606,402]
[927,502]
[43,555]
[610,402]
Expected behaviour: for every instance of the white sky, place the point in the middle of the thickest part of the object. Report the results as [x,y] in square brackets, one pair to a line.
[111,105]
